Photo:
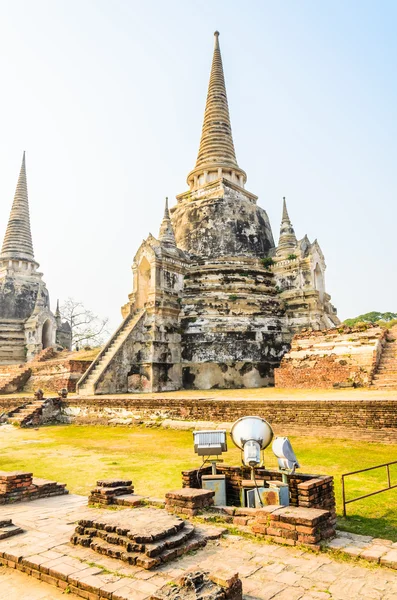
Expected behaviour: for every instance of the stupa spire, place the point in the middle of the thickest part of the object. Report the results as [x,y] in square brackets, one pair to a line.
[287,238]
[17,242]
[166,235]
[216,157]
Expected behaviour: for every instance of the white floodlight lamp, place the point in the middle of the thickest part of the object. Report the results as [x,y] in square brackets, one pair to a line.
[252,435]
[285,455]
[210,444]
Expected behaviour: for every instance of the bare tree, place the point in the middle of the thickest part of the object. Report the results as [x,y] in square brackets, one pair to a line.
[87,328]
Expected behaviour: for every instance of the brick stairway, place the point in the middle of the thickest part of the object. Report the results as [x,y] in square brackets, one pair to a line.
[13,378]
[386,374]
[86,385]
[27,415]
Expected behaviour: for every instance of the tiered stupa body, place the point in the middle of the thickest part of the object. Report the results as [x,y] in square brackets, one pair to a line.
[27,324]
[206,309]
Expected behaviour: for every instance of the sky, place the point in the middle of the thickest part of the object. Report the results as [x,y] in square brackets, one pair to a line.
[107,98]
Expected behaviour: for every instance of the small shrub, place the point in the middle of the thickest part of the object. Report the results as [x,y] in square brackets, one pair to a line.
[291,256]
[267,262]
[233,298]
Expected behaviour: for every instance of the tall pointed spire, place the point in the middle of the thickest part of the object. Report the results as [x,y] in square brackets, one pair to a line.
[17,242]
[166,235]
[216,157]
[287,239]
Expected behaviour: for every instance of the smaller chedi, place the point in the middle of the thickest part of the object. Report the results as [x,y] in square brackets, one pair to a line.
[27,324]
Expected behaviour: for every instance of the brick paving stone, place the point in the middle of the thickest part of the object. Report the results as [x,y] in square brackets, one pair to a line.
[346,588]
[15,585]
[374,552]
[390,559]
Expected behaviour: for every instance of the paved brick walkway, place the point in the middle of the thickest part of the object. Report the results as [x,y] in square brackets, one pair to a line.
[18,586]
[268,571]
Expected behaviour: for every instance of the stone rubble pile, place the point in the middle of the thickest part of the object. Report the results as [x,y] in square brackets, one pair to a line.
[189,501]
[107,491]
[221,585]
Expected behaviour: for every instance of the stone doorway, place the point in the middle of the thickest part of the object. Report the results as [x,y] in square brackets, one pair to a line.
[319,281]
[144,282]
[46,334]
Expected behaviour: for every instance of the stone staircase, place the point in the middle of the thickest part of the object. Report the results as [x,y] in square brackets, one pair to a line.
[87,383]
[27,415]
[13,378]
[386,374]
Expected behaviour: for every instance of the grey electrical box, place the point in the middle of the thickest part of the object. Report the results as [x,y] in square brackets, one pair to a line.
[216,483]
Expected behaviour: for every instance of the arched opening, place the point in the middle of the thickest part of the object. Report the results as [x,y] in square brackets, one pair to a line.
[46,334]
[319,281]
[144,281]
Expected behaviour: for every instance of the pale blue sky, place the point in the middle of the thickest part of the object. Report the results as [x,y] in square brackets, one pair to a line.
[107,98]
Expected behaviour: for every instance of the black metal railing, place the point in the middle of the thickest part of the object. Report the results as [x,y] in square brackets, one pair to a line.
[389,486]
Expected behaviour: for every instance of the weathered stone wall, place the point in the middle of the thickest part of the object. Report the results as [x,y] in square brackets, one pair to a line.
[232,326]
[221,219]
[285,415]
[333,358]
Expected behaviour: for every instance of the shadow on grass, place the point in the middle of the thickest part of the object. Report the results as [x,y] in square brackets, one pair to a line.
[379,527]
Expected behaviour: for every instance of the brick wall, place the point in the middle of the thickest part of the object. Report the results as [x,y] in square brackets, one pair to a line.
[366,415]
[306,491]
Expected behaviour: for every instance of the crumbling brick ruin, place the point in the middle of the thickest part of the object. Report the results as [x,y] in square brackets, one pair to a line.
[343,357]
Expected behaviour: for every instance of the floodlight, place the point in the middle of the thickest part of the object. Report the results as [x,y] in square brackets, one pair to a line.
[210,443]
[286,458]
[251,435]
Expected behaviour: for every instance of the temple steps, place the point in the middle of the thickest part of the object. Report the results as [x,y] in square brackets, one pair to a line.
[86,384]
[27,414]
[386,374]
[15,380]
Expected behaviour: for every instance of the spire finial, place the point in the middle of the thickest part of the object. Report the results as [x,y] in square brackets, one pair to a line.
[216,152]
[287,240]
[166,235]
[285,217]
[17,242]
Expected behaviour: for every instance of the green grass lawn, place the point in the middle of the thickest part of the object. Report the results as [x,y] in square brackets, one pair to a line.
[154,459]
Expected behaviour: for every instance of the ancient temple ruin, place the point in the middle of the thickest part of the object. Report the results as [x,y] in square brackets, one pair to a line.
[214,303]
[27,324]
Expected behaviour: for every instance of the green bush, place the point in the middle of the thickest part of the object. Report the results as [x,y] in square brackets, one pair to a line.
[291,256]
[267,262]
[233,298]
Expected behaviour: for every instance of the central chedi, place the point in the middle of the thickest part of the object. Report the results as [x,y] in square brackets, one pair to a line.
[214,303]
